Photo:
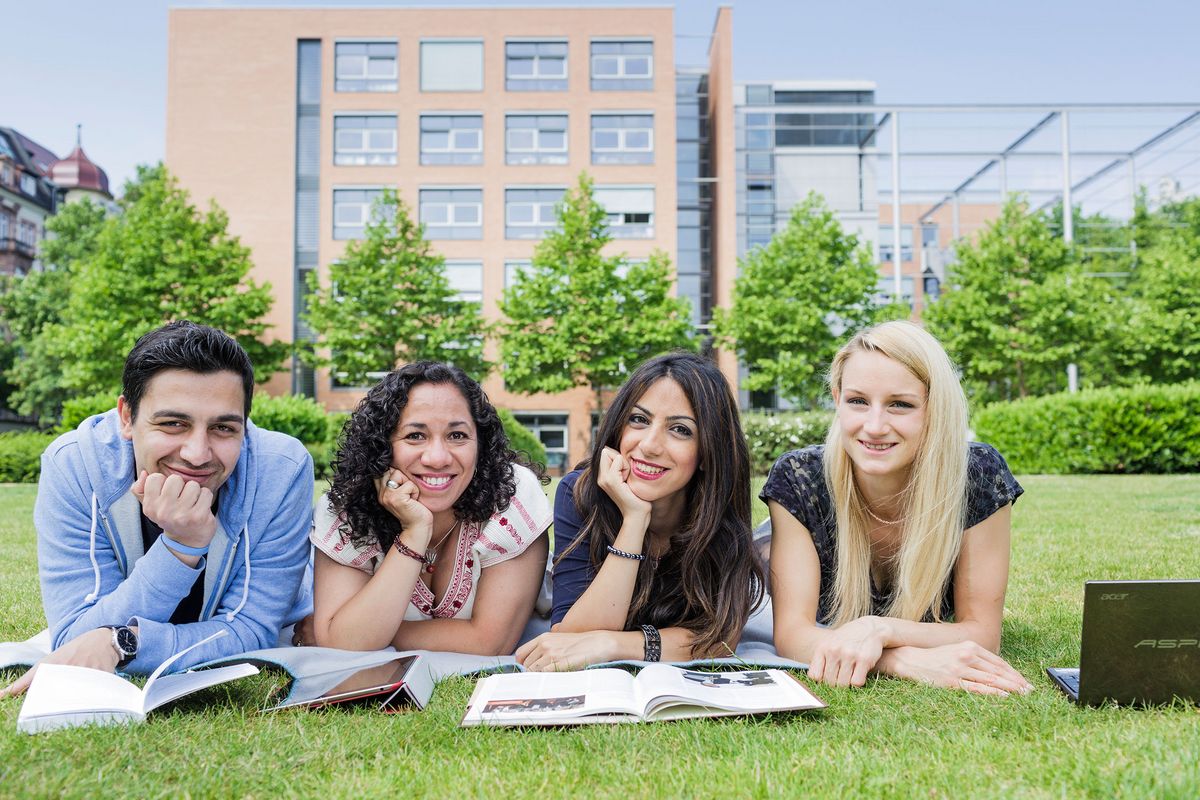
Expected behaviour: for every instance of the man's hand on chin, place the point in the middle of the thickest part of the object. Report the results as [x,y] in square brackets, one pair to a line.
[183,509]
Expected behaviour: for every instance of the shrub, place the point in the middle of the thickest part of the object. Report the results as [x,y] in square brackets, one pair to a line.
[1133,430]
[77,409]
[21,455]
[770,436]
[520,438]
[297,416]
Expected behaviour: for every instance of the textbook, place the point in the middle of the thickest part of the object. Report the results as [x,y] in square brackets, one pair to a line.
[63,696]
[658,692]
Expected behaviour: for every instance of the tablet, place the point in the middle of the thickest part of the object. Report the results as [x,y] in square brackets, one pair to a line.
[383,687]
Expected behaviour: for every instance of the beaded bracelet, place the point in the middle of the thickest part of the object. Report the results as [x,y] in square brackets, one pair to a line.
[408,551]
[626,554]
[653,650]
[183,549]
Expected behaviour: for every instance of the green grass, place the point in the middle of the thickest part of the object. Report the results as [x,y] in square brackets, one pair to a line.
[889,739]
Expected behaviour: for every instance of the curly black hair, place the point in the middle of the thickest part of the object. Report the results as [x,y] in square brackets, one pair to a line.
[365,453]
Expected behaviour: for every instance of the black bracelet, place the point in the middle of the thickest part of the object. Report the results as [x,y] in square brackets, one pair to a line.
[653,643]
[625,554]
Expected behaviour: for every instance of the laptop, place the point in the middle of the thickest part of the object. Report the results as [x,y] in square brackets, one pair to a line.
[1141,644]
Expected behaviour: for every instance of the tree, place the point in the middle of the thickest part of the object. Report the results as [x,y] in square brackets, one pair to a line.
[30,303]
[1018,308]
[572,319]
[796,299]
[388,300]
[159,260]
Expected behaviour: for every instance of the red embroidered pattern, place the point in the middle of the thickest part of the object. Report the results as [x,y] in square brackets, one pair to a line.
[461,582]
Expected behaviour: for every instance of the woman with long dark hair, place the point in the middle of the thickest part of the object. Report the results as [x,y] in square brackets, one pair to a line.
[431,534]
[654,558]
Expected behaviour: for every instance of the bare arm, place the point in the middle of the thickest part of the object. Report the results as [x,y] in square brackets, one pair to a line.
[560,651]
[356,611]
[503,603]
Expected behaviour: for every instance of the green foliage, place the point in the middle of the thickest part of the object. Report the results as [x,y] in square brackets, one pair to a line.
[1018,308]
[76,409]
[1137,429]
[571,320]
[301,417]
[770,436]
[520,438]
[795,301]
[30,304]
[388,301]
[159,260]
[21,456]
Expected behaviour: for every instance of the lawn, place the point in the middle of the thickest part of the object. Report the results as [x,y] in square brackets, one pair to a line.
[889,739]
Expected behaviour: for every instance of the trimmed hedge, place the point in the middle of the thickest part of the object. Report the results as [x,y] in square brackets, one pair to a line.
[770,436]
[21,455]
[77,409]
[1142,429]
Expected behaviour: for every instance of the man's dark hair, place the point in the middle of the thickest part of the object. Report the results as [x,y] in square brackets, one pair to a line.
[188,346]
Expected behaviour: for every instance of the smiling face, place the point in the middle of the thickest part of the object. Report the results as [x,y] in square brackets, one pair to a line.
[660,441]
[881,413]
[436,444]
[188,424]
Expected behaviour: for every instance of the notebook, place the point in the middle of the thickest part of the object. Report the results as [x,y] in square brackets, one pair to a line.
[1141,644]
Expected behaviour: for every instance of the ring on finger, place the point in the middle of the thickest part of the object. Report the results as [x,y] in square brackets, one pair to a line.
[391,484]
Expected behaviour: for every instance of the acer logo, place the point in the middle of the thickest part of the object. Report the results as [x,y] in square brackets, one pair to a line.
[1120,596]
[1167,644]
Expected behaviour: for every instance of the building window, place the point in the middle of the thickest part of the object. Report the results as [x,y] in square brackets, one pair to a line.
[351,209]
[28,184]
[27,233]
[452,65]
[622,66]
[364,67]
[452,213]
[630,210]
[551,430]
[364,139]
[452,139]
[884,290]
[535,139]
[529,213]
[466,278]
[622,139]
[535,66]
[886,242]
[513,271]
[5,232]
[758,95]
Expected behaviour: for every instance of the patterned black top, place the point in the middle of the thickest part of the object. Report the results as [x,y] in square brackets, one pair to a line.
[797,482]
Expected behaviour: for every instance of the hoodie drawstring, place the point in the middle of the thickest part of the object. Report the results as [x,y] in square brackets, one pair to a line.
[95,593]
[245,580]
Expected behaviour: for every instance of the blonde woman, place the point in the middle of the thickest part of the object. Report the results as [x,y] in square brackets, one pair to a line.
[890,544]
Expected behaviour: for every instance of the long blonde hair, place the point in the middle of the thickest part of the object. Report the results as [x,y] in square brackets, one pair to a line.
[933,502]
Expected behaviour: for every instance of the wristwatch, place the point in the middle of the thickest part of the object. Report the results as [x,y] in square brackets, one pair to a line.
[125,642]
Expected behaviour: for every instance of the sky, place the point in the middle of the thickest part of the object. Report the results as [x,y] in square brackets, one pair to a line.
[103,65]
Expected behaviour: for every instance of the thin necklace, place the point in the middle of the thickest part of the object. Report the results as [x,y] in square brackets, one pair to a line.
[431,554]
[878,518]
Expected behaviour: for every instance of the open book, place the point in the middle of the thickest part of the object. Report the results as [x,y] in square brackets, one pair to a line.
[63,696]
[658,692]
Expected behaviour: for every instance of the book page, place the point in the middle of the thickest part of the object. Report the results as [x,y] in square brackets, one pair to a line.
[529,698]
[171,687]
[747,692]
[61,689]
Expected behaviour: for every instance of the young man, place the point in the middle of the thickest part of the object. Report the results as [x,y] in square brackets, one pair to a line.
[172,517]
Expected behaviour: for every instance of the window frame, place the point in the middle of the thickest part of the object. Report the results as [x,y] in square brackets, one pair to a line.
[621,75]
[622,153]
[452,228]
[450,40]
[385,83]
[537,154]
[343,158]
[539,227]
[373,191]
[536,82]
[469,157]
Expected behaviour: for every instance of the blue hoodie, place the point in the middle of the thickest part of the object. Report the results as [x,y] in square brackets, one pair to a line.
[94,572]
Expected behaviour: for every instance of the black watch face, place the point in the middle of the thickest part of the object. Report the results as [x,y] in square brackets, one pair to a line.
[127,641]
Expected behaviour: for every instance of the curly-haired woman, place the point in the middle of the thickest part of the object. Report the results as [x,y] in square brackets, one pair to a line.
[654,558]
[431,537]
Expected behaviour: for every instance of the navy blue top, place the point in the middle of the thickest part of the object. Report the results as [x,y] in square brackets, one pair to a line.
[797,482]
[573,574]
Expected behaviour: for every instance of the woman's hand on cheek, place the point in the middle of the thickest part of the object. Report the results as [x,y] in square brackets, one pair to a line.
[847,654]
[614,480]
[564,652]
[963,665]
[400,496]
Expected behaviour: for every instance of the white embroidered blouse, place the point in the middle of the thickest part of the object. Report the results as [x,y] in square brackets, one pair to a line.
[506,535]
